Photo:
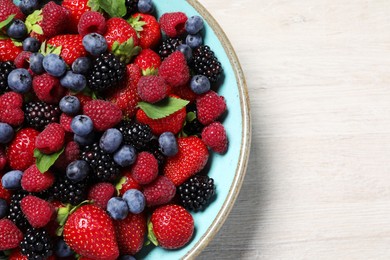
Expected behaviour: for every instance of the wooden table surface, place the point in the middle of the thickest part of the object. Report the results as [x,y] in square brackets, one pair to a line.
[318,181]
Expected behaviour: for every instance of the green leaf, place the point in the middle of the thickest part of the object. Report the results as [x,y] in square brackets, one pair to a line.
[163,108]
[33,19]
[119,185]
[94,4]
[115,8]
[150,71]
[191,116]
[125,51]
[6,21]
[63,213]
[37,29]
[3,37]
[45,161]
[137,24]
[17,43]
[151,236]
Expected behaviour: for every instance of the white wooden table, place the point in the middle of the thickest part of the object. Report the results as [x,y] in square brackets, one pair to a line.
[318,182]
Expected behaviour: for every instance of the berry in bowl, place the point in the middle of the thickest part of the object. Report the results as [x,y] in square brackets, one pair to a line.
[124,129]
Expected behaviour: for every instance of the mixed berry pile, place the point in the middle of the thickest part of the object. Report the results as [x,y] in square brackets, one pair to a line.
[108,114]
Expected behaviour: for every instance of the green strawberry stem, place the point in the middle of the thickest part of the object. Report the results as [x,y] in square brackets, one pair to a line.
[125,51]
[151,236]
[119,185]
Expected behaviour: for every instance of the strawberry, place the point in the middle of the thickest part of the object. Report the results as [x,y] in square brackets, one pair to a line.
[72,46]
[104,114]
[10,235]
[130,233]
[119,30]
[48,88]
[190,159]
[148,28]
[148,61]
[128,182]
[8,8]
[145,168]
[89,231]
[152,88]
[37,218]
[17,255]
[173,226]
[159,192]
[4,193]
[101,193]
[20,153]
[214,136]
[174,70]
[173,24]
[8,50]
[77,8]
[11,108]
[210,107]
[51,139]
[35,181]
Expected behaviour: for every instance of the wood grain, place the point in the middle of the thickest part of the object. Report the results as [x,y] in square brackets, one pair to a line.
[318,182]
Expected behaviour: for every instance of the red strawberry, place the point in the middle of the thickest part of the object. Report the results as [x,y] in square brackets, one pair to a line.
[3,158]
[214,136]
[48,88]
[8,8]
[210,107]
[89,231]
[35,181]
[174,70]
[8,50]
[159,192]
[11,108]
[148,29]
[119,30]
[130,233]
[91,22]
[148,61]
[20,153]
[23,60]
[10,235]
[72,46]
[104,114]
[173,226]
[173,24]
[128,182]
[70,154]
[17,255]
[51,139]
[145,168]
[152,88]
[4,193]
[37,211]
[190,159]
[77,8]
[101,193]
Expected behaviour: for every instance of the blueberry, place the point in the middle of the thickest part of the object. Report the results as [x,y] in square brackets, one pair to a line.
[95,43]
[125,156]
[19,80]
[77,170]
[111,140]
[127,257]
[6,133]
[73,81]
[135,201]
[145,6]
[70,105]
[194,40]
[117,208]
[31,44]
[81,65]
[186,50]
[168,144]
[3,208]
[81,125]
[28,6]
[194,24]
[85,140]
[11,180]
[200,84]
[36,63]
[17,29]
[54,65]
[62,249]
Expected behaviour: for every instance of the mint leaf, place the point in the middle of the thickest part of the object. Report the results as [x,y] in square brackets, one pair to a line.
[7,21]
[115,8]
[163,108]
[45,161]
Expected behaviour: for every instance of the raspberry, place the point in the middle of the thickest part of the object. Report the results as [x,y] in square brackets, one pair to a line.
[159,192]
[145,168]
[10,109]
[10,235]
[92,22]
[101,193]
[22,60]
[55,19]
[37,218]
[210,107]
[104,114]
[152,88]
[48,88]
[70,154]
[174,69]
[35,181]
[65,121]
[214,136]
[3,158]
[51,139]
[173,24]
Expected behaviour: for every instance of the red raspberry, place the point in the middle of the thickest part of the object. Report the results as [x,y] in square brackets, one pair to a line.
[10,235]
[101,193]
[174,69]
[210,107]
[65,121]
[35,181]
[214,136]
[10,108]
[48,88]
[185,92]
[51,139]
[3,158]
[92,22]
[104,114]
[129,183]
[159,192]
[55,19]
[152,88]
[20,153]
[70,154]
[11,99]
[37,218]
[22,60]
[145,168]
[173,24]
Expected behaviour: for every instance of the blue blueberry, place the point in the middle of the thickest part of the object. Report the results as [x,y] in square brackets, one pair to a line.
[85,140]
[95,43]
[82,125]
[117,208]
[70,105]
[186,50]
[31,44]
[19,80]
[28,6]
[194,24]
[36,63]
[81,65]
[77,170]
[111,140]
[168,144]
[11,180]
[200,84]
[17,29]
[73,81]
[135,201]
[194,40]
[62,249]
[127,257]
[125,156]
[145,6]
[6,133]
[54,65]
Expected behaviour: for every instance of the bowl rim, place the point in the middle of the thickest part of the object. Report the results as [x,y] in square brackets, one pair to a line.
[246,134]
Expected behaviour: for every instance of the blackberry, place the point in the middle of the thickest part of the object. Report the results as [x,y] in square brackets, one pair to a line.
[36,244]
[102,163]
[39,114]
[5,70]
[15,212]
[136,134]
[131,6]
[154,148]
[67,191]
[196,192]
[205,63]
[106,72]
[168,46]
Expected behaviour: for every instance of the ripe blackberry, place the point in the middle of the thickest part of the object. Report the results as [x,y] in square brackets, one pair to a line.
[154,149]
[196,192]
[168,46]
[67,191]
[205,63]
[5,70]
[131,6]
[15,212]
[36,244]
[38,114]
[102,163]
[106,72]
[136,134]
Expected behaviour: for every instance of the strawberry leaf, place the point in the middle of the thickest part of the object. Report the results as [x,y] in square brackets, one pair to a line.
[125,51]
[94,4]
[136,24]
[17,43]
[150,71]
[115,8]
[120,183]
[37,29]
[32,22]
[191,116]
[7,21]
[151,236]
[45,161]
[162,108]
